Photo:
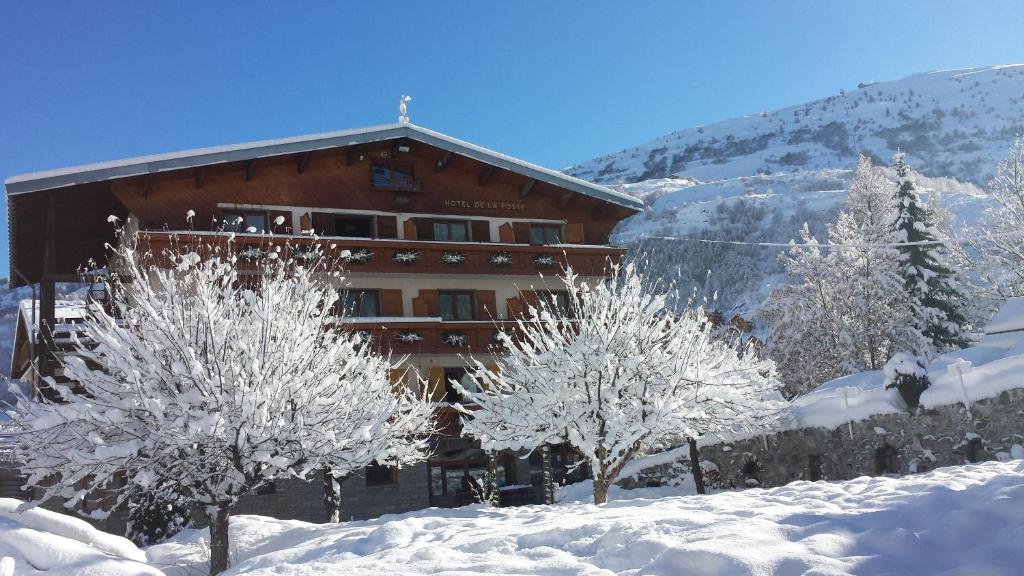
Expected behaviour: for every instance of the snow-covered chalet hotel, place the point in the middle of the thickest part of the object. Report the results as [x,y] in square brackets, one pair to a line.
[447,238]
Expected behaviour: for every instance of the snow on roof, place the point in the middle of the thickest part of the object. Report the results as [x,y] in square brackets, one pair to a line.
[1009,318]
[64,310]
[37,181]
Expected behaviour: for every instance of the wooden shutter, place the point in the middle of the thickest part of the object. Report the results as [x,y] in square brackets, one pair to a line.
[397,378]
[520,306]
[436,384]
[521,231]
[481,230]
[387,227]
[305,223]
[285,227]
[424,229]
[428,303]
[323,223]
[574,233]
[486,305]
[505,234]
[391,303]
[409,229]
[493,369]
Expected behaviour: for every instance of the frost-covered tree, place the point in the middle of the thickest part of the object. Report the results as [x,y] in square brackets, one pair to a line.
[219,369]
[1001,246]
[612,370]
[849,310]
[927,272]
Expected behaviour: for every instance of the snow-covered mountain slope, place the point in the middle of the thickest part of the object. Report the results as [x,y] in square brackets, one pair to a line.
[952,123]
[760,178]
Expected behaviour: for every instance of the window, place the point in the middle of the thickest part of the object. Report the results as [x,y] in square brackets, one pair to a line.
[451,230]
[361,303]
[460,375]
[239,221]
[545,234]
[456,306]
[380,475]
[394,177]
[353,226]
[556,302]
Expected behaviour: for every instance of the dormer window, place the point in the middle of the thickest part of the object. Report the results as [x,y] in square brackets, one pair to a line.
[387,176]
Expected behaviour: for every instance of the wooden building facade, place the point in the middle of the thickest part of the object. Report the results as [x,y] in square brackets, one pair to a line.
[448,241]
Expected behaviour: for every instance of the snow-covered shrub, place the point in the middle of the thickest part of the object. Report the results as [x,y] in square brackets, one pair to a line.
[615,372]
[452,258]
[908,374]
[182,397]
[153,519]
[406,256]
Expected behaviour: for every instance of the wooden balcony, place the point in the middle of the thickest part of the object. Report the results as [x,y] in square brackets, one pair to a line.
[402,336]
[416,257]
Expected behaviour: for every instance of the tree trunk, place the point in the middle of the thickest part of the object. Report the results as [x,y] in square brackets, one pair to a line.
[491,490]
[548,478]
[698,474]
[219,538]
[600,489]
[332,495]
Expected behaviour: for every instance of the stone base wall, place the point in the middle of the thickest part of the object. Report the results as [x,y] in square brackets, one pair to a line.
[902,443]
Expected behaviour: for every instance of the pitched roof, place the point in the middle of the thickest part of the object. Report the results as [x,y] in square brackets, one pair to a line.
[37,181]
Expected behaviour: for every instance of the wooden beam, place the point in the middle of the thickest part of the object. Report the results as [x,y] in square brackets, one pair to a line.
[443,161]
[199,177]
[249,170]
[485,175]
[565,199]
[304,162]
[146,185]
[47,289]
[527,187]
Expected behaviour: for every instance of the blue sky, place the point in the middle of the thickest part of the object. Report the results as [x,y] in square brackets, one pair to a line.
[552,83]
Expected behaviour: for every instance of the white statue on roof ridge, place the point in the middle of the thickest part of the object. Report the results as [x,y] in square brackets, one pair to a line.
[403,109]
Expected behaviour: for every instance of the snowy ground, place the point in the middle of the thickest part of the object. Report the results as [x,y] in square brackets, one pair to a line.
[958,520]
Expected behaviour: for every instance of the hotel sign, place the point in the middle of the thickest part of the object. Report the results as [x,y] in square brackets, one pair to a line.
[485,205]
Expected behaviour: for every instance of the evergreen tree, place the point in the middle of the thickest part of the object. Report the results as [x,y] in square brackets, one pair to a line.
[928,277]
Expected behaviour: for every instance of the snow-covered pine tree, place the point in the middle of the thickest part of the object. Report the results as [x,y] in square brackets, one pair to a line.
[927,273]
[612,372]
[214,374]
[849,311]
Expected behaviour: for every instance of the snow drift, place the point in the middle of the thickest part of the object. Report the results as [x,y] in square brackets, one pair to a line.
[961,520]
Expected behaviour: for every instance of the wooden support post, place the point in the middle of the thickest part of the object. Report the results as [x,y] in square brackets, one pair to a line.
[527,187]
[47,290]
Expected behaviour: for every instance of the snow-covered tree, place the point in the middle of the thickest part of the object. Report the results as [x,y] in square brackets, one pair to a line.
[612,370]
[927,273]
[218,369]
[1001,246]
[849,310]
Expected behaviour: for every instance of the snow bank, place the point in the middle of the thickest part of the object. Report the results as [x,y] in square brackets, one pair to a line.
[39,541]
[1010,317]
[961,520]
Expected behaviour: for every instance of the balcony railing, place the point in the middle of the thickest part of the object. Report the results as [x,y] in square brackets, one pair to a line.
[416,256]
[430,335]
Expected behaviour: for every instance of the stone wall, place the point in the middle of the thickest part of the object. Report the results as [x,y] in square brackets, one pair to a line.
[902,443]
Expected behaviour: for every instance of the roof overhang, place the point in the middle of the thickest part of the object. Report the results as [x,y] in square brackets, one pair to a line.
[92,173]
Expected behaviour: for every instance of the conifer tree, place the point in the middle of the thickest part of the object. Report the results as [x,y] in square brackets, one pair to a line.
[928,277]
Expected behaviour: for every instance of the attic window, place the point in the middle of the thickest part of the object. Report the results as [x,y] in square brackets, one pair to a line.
[386,176]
